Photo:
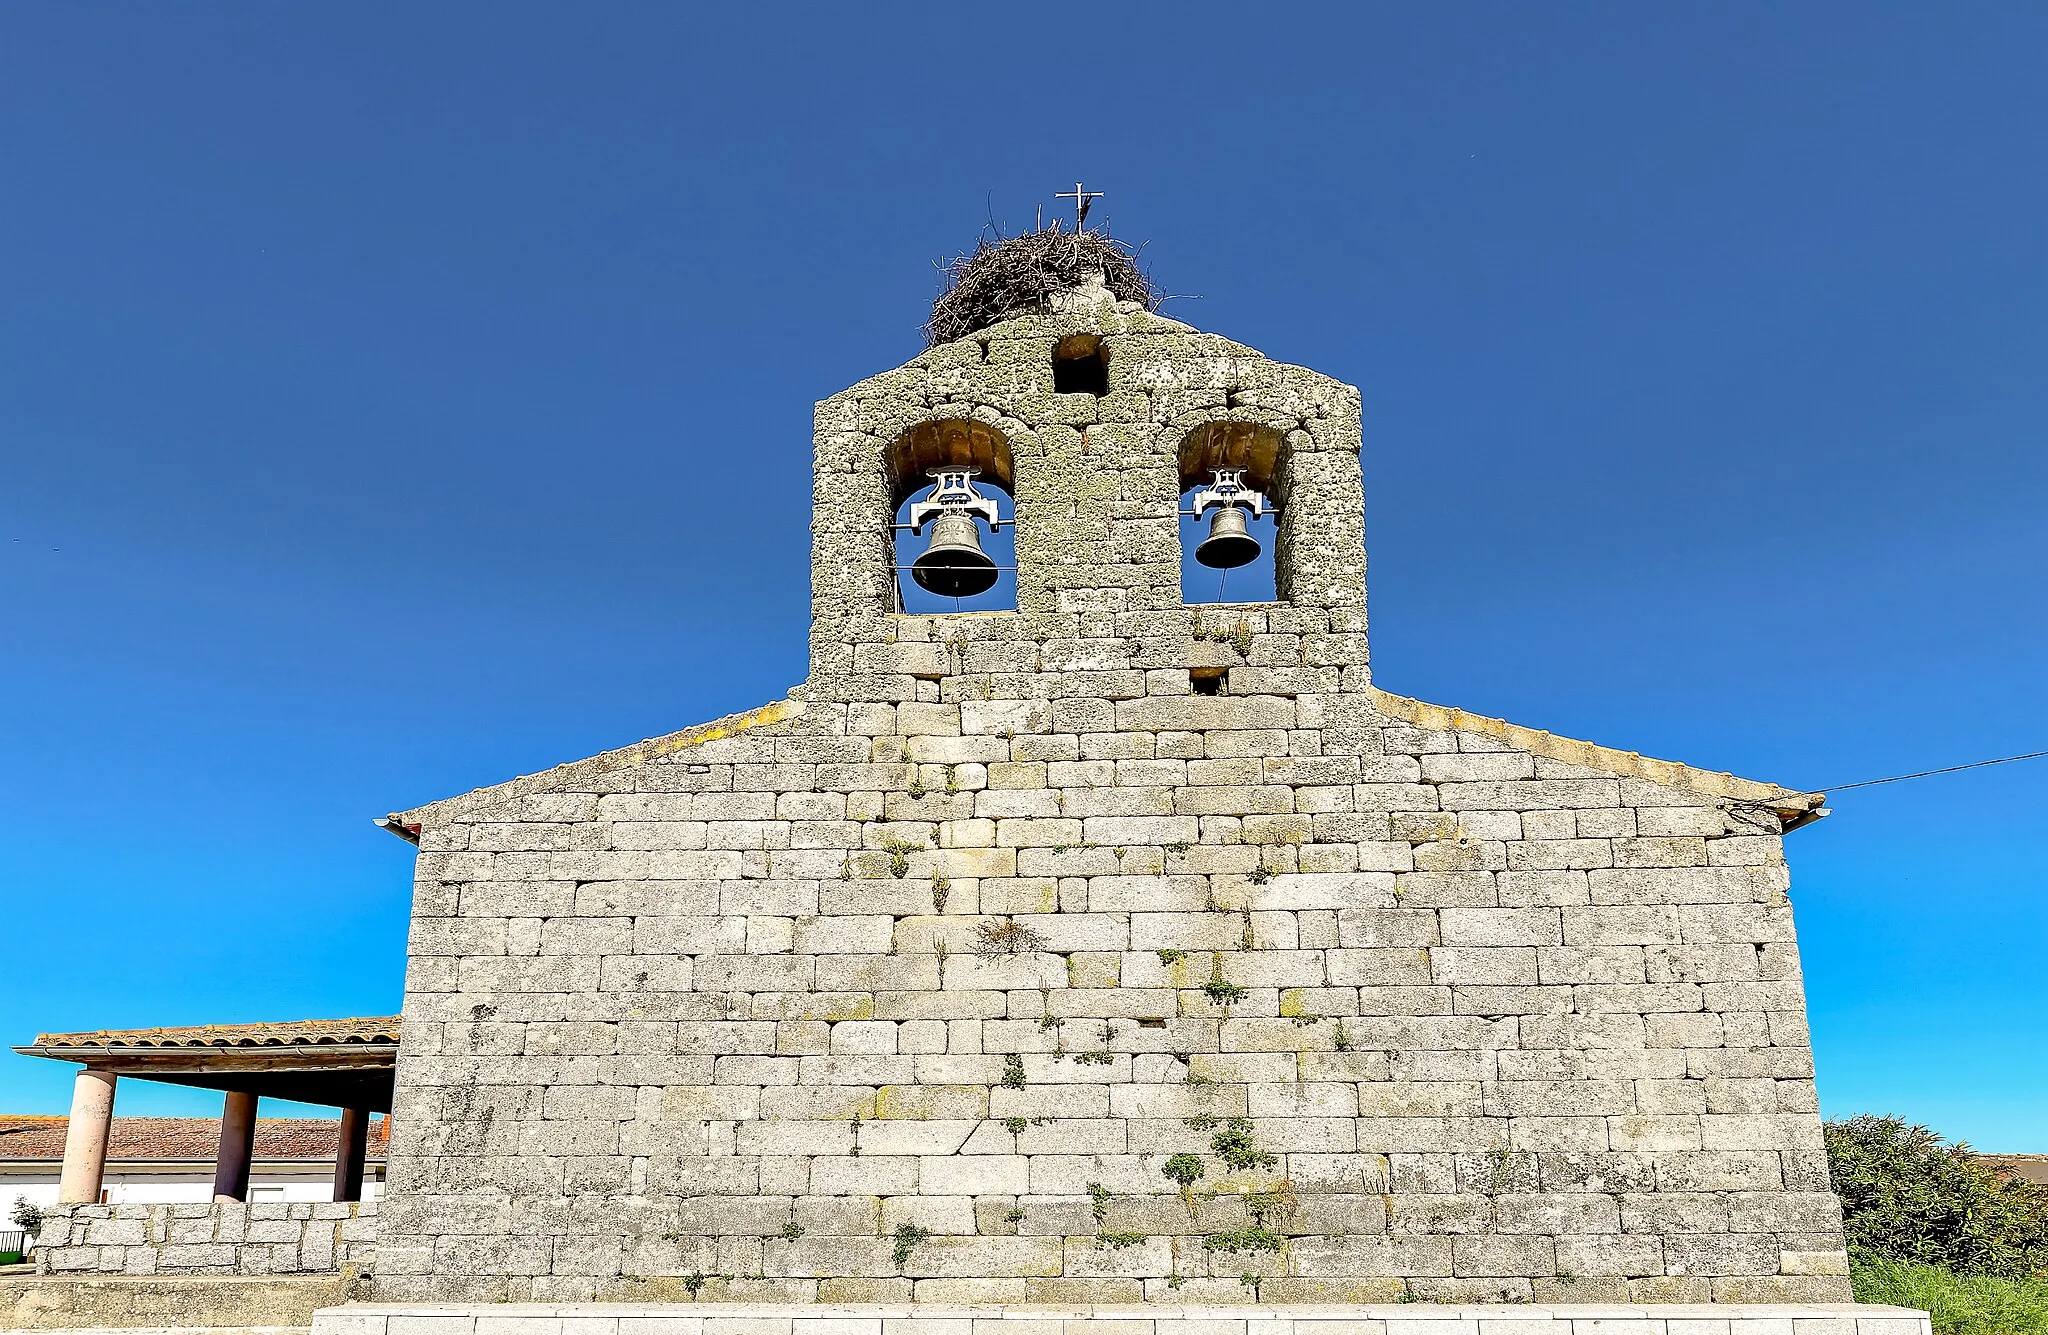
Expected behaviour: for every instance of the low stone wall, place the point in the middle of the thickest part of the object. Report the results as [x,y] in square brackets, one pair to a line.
[1150,1319]
[208,1239]
[189,1304]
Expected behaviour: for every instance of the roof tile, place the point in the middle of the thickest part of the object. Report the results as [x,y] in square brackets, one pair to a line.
[34,1138]
[296,1033]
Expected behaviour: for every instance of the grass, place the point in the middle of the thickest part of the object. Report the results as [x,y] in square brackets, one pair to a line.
[1959,1304]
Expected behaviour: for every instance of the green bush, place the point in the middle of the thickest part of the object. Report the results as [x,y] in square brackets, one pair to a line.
[1909,1196]
[1959,1304]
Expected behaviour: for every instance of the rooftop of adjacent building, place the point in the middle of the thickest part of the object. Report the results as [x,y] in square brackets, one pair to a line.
[343,1063]
[289,1033]
[38,1138]
[2026,1167]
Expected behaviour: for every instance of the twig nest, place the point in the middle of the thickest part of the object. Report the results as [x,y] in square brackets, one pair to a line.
[1050,268]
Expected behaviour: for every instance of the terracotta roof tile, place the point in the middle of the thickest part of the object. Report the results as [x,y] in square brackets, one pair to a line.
[35,1138]
[2026,1167]
[299,1033]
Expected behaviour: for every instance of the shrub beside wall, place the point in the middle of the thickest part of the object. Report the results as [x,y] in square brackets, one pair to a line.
[1908,1195]
[1932,1228]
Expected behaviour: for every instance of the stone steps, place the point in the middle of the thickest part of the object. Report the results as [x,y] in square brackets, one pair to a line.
[941,1319]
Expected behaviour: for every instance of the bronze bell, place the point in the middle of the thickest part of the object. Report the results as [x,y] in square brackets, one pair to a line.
[954,566]
[1229,544]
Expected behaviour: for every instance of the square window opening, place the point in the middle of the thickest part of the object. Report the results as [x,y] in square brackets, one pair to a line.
[1080,365]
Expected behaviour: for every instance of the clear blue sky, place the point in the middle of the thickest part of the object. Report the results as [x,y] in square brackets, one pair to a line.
[398,398]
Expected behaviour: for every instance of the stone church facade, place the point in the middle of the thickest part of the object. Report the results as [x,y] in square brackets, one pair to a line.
[1108,949]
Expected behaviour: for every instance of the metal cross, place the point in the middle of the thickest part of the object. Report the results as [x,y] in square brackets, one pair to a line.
[1082,198]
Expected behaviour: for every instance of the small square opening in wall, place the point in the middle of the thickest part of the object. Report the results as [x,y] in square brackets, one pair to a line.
[1080,365]
[1209,681]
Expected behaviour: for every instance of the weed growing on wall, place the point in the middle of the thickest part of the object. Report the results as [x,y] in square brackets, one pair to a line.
[1258,1238]
[1006,936]
[908,1236]
[899,851]
[1237,1146]
[1222,991]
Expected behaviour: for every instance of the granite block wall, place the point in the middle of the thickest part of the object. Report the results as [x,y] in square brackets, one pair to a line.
[1106,949]
[220,1238]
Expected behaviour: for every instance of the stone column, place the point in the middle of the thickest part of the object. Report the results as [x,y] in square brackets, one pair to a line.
[350,1154]
[237,1147]
[85,1137]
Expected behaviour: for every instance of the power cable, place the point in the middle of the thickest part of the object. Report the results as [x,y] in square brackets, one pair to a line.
[1900,778]
[1952,769]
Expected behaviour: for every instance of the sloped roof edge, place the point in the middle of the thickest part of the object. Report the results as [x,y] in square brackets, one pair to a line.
[355,1031]
[408,824]
[1792,806]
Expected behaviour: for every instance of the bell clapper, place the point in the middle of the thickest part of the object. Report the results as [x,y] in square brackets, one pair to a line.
[953,564]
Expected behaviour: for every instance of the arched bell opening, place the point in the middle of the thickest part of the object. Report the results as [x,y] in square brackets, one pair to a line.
[953,512]
[1228,539]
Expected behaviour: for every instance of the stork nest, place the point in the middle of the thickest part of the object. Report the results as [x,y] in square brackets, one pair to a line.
[1016,274]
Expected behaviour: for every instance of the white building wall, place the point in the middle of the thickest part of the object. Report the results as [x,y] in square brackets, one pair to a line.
[183,1183]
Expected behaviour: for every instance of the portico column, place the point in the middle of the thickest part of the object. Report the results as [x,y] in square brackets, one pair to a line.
[237,1147]
[350,1154]
[85,1137]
